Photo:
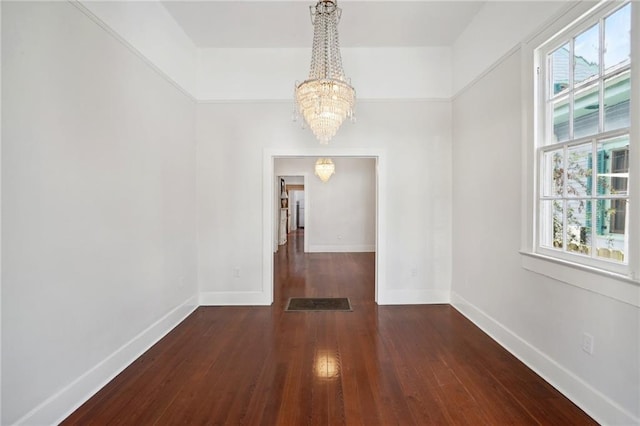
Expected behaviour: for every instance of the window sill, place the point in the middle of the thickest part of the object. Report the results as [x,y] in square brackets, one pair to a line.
[610,284]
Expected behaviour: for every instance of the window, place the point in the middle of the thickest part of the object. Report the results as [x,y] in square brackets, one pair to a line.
[619,166]
[584,140]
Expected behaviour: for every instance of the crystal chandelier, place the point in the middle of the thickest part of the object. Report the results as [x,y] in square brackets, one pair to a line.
[325,168]
[326,98]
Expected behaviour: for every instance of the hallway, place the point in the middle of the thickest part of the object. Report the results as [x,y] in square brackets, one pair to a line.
[299,274]
[377,365]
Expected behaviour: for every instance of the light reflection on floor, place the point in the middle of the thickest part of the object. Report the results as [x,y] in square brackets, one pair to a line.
[326,365]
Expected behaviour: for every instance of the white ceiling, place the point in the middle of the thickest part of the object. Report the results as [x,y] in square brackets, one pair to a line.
[260,24]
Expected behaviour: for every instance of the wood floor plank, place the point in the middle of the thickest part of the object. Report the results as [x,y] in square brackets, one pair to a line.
[376,365]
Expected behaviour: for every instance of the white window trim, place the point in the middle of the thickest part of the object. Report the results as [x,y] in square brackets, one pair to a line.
[622,285]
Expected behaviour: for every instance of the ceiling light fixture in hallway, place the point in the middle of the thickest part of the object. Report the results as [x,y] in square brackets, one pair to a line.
[325,169]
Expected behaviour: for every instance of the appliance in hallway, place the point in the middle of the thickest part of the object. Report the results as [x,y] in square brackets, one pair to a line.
[300,213]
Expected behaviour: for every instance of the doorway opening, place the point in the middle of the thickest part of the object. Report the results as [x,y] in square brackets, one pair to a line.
[272,205]
[292,211]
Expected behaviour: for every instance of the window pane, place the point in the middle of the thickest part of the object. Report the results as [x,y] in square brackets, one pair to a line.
[611,243]
[616,102]
[617,220]
[586,55]
[551,234]
[619,171]
[585,112]
[617,37]
[561,120]
[579,226]
[559,69]
[552,173]
[613,166]
[579,166]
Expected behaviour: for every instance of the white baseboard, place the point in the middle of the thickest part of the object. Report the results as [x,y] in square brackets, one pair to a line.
[66,401]
[413,297]
[60,405]
[593,402]
[235,298]
[360,248]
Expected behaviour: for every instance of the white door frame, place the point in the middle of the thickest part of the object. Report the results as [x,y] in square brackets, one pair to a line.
[268,208]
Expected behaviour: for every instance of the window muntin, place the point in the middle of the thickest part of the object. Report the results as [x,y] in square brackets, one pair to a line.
[619,185]
[584,157]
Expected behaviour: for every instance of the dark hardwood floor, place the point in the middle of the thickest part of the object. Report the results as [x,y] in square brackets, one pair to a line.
[377,365]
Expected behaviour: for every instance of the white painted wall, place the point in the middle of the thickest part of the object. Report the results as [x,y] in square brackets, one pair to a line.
[496,29]
[151,31]
[416,138]
[215,74]
[293,180]
[98,196]
[342,210]
[537,318]
[270,74]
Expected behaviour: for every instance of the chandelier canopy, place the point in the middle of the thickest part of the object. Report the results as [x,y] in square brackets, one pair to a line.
[326,98]
[325,168]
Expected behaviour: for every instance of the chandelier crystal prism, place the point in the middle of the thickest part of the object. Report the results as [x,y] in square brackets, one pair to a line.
[326,98]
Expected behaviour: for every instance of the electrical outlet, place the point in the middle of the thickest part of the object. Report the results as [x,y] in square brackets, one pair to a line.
[236,272]
[587,343]
[414,272]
